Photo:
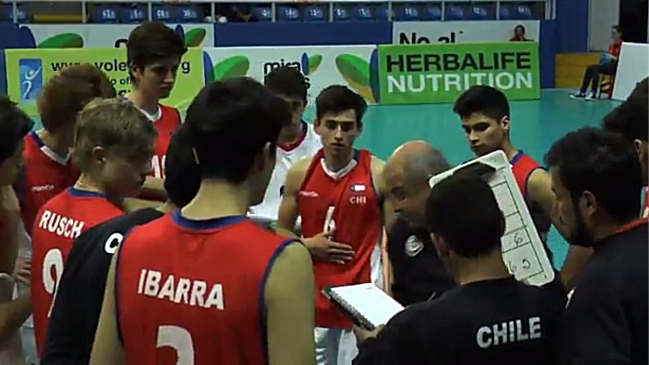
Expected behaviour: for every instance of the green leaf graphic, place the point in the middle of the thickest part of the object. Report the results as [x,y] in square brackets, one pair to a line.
[356,71]
[354,68]
[195,37]
[314,63]
[64,40]
[234,66]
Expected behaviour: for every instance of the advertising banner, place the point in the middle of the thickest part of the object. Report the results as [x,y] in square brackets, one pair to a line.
[29,69]
[107,35]
[354,66]
[439,73]
[462,31]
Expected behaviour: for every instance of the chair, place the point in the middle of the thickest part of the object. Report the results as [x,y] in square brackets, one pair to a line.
[314,14]
[363,13]
[341,14]
[162,13]
[288,14]
[135,15]
[505,12]
[479,13]
[433,13]
[105,15]
[188,14]
[606,83]
[523,12]
[408,14]
[454,12]
[383,13]
[263,13]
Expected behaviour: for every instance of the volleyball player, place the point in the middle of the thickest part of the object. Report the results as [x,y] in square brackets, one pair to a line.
[297,140]
[486,120]
[597,179]
[339,195]
[48,164]
[113,144]
[205,285]
[154,54]
[73,323]
[490,317]
[631,120]
[14,126]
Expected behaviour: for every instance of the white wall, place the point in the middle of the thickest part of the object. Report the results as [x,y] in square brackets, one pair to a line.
[603,15]
[629,69]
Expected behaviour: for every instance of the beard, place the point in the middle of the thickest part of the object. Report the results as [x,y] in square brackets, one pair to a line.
[580,236]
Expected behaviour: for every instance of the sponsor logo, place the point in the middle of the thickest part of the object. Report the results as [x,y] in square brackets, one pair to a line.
[31,78]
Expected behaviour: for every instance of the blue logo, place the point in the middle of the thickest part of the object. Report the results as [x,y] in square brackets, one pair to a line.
[31,78]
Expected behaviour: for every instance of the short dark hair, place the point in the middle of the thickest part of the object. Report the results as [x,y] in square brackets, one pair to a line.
[151,42]
[482,99]
[182,175]
[14,126]
[617,28]
[337,99]
[631,118]
[603,163]
[229,123]
[67,92]
[451,213]
[287,81]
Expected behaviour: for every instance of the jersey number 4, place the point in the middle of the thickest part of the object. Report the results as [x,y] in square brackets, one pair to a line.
[178,339]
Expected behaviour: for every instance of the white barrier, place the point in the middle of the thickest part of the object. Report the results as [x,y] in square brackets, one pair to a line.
[322,65]
[462,31]
[108,35]
[632,67]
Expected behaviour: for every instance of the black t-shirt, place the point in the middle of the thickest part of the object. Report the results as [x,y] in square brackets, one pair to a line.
[500,321]
[80,293]
[605,321]
[418,271]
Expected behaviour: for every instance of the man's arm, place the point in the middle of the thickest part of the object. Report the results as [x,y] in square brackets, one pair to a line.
[539,187]
[107,349]
[288,209]
[14,313]
[290,303]
[389,216]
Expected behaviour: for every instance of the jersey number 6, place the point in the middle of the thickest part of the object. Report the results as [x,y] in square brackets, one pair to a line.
[180,340]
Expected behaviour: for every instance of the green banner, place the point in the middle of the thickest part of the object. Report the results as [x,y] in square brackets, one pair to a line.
[439,73]
[29,69]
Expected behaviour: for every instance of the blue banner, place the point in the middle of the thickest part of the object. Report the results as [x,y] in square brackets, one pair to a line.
[301,34]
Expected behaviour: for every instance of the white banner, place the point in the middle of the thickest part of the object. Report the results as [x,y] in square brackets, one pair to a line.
[109,35]
[322,65]
[461,31]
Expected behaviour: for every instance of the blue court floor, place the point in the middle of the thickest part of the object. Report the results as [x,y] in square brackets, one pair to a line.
[535,125]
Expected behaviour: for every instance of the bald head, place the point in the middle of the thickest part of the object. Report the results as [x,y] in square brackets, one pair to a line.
[417,161]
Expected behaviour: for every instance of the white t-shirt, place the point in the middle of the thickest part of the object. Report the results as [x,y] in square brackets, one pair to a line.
[268,209]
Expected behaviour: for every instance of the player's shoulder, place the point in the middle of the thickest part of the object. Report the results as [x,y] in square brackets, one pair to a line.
[298,170]
[377,164]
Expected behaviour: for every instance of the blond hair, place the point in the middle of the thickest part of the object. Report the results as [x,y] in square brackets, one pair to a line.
[113,124]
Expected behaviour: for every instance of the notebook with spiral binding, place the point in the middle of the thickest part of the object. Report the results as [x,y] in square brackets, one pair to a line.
[366,304]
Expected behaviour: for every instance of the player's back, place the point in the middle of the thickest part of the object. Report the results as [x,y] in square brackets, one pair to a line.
[58,223]
[194,291]
[45,175]
[349,204]
[286,157]
[498,321]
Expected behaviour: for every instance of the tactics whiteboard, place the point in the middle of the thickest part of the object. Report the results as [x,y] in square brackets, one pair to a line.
[523,250]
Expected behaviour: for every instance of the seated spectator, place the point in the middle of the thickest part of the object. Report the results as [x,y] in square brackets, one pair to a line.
[519,34]
[606,66]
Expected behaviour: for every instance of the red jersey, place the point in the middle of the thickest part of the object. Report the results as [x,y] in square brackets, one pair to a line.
[58,223]
[645,208]
[351,205]
[192,292]
[165,125]
[615,49]
[45,175]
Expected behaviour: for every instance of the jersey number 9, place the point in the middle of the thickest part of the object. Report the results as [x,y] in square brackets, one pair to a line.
[178,339]
[53,259]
